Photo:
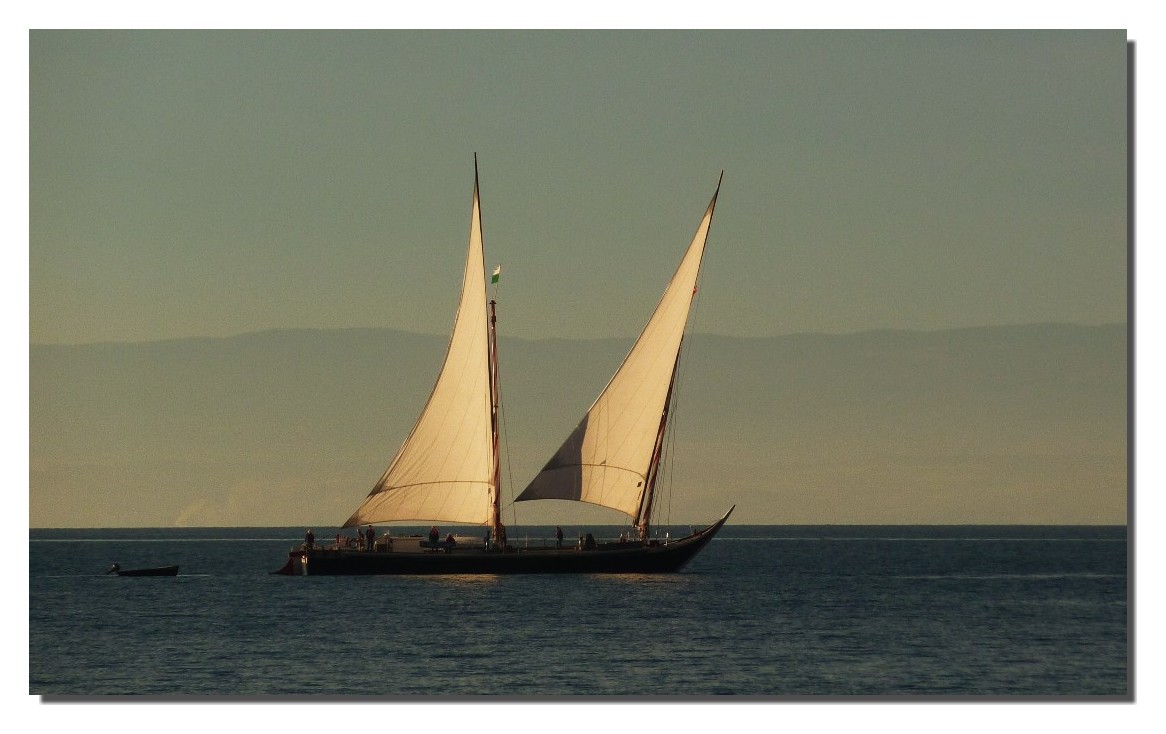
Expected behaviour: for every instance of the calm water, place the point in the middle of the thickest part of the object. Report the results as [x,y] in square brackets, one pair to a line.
[763,611]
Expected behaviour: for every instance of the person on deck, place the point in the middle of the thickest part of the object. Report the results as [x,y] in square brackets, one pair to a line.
[372,537]
[558,537]
[433,536]
[309,539]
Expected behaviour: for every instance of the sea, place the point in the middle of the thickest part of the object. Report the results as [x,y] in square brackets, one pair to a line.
[766,613]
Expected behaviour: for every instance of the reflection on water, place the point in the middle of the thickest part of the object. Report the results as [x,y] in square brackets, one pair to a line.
[455,579]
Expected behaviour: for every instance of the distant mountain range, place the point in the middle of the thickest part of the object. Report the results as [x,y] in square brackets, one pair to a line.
[1016,425]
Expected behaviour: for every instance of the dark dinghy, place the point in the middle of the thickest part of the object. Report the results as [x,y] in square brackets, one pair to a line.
[160,571]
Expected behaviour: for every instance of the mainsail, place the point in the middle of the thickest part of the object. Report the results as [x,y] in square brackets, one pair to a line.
[445,469]
[608,458]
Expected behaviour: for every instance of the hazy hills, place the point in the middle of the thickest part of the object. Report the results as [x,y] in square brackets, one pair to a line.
[1021,424]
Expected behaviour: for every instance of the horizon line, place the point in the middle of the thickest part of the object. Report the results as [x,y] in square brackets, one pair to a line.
[614,525]
[316,329]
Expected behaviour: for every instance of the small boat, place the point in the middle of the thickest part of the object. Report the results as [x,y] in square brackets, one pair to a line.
[448,468]
[159,571]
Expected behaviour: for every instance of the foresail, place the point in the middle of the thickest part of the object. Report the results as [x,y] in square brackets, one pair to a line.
[443,471]
[606,458]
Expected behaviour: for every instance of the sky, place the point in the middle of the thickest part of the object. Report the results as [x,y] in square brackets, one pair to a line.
[208,183]
[213,183]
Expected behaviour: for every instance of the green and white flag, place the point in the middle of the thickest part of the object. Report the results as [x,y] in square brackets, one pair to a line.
[497,273]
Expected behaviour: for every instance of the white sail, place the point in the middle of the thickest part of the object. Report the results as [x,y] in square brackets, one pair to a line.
[605,460]
[445,468]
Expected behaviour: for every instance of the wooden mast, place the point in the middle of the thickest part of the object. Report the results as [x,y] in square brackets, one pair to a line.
[496,528]
[645,512]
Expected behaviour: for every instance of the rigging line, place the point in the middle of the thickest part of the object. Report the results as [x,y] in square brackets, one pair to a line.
[681,370]
[505,443]
[506,450]
[505,431]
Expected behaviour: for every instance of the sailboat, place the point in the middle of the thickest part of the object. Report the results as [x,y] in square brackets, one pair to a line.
[448,470]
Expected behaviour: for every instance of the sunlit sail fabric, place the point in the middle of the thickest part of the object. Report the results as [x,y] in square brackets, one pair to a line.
[606,458]
[444,469]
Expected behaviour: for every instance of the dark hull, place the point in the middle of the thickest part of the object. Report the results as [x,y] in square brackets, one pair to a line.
[162,571]
[606,558]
